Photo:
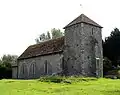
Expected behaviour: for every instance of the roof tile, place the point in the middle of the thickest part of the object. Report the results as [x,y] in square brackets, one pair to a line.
[44,48]
[82,19]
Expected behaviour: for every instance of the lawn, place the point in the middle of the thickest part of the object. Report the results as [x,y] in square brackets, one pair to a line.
[35,87]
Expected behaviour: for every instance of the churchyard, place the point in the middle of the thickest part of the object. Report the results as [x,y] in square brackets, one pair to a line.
[69,86]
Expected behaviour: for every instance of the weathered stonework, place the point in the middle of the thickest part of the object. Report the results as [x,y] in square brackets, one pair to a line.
[35,67]
[83,45]
[79,52]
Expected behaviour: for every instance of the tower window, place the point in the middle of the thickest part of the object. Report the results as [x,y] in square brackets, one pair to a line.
[88,57]
[92,31]
[72,66]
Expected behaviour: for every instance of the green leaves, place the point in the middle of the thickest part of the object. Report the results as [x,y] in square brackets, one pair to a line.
[111,46]
[53,34]
[6,65]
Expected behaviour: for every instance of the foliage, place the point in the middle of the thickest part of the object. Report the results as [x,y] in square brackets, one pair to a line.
[43,37]
[63,79]
[8,60]
[111,47]
[6,65]
[107,65]
[114,74]
[5,72]
[34,87]
[54,33]
[55,79]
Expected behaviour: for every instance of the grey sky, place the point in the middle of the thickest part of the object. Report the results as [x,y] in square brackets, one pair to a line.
[21,21]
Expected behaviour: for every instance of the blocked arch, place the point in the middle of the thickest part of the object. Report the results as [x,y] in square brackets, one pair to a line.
[32,70]
[24,71]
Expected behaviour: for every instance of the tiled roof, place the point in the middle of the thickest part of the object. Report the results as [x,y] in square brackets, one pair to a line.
[82,19]
[44,48]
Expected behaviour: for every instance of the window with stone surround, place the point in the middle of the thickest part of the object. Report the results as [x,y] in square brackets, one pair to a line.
[23,68]
[92,31]
[24,71]
[32,68]
[46,67]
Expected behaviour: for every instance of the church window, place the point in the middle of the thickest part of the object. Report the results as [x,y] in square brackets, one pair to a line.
[63,65]
[23,71]
[88,57]
[92,31]
[45,67]
[72,66]
[33,68]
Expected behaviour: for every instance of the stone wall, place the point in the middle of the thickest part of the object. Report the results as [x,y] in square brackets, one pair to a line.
[83,44]
[36,67]
[14,72]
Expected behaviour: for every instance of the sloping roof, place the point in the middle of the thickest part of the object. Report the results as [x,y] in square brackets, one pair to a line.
[82,19]
[44,48]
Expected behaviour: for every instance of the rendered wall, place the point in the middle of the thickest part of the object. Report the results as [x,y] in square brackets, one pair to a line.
[35,67]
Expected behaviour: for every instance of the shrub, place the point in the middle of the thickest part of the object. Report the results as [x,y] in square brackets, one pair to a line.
[62,79]
[55,79]
[5,72]
[107,65]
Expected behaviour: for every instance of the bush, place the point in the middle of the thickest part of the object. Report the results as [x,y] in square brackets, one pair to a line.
[62,79]
[107,65]
[113,74]
[5,72]
[55,79]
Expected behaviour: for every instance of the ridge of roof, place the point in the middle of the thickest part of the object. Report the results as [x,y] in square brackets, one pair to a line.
[82,19]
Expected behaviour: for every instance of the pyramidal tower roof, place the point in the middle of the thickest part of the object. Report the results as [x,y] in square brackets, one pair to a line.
[83,19]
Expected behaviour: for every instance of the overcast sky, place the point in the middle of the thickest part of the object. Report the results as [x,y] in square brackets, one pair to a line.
[21,21]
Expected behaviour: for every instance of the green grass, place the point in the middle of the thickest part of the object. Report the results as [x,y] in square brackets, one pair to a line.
[80,87]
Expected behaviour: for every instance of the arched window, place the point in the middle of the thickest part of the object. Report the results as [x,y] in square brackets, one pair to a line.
[62,62]
[46,67]
[32,70]
[92,31]
[24,71]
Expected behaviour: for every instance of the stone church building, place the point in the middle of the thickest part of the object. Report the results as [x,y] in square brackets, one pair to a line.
[79,52]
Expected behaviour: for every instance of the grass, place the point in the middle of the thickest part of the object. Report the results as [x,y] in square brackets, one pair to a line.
[78,86]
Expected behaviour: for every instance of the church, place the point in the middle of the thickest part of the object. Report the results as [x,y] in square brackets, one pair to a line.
[78,52]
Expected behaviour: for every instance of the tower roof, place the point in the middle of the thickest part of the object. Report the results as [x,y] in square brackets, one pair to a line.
[82,19]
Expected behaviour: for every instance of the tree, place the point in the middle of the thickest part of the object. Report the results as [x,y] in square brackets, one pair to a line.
[53,34]
[107,65]
[56,33]
[6,65]
[8,60]
[41,38]
[48,35]
[111,47]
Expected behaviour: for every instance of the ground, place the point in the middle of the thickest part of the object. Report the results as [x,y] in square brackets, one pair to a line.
[35,87]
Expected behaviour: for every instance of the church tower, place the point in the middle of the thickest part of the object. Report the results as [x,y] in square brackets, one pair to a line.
[83,54]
